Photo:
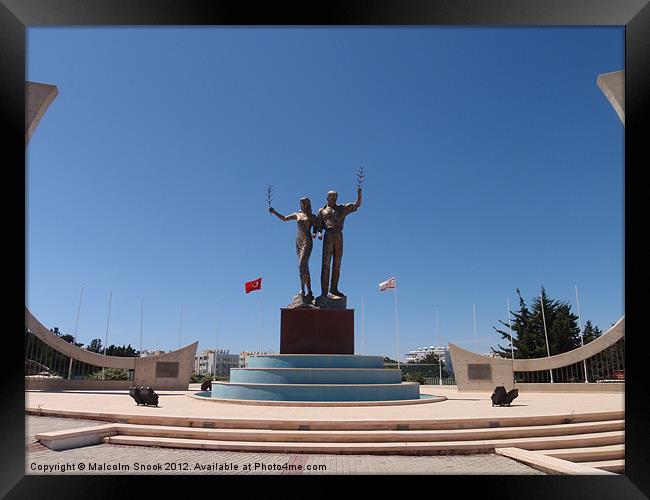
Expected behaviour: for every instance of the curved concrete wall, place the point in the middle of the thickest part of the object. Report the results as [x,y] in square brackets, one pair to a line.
[613,86]
[610,387]
[475,372]
[46,383]
[170,371]
[607,339]
[72,351]
[38,97]
[148,370]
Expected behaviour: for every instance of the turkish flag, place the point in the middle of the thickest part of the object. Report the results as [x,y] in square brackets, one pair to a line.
[251,286]
[389,283]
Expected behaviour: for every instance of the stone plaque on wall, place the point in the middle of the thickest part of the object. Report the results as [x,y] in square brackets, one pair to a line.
[479,372]
[167,369]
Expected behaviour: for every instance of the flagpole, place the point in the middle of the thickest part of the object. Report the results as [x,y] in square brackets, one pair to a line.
[582,342]
[439,362]
[259,328]
[475,340]
[74,338]
[548,352]
[363,340]
[180,329]
[216,352]
[396,327]
[110,299]
[141,314]
[512,347]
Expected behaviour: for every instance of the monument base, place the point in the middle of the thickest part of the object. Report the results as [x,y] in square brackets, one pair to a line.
[316,379]
[316,331]
[330,301]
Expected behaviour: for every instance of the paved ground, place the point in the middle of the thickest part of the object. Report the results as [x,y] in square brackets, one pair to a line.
[117,459]
[459,405]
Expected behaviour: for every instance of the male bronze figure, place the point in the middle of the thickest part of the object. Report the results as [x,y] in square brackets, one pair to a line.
[331,219]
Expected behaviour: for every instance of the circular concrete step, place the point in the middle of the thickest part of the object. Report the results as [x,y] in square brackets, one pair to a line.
[316,392]
[315,361]
[315,376]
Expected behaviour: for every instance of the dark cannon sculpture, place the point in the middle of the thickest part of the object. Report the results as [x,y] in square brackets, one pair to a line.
[502,398]
[149,397]
[144,396]
[134,392]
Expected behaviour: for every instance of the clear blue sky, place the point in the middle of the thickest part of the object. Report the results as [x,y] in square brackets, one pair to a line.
[492,159]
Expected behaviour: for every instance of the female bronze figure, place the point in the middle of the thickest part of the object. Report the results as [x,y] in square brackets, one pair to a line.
[306,233]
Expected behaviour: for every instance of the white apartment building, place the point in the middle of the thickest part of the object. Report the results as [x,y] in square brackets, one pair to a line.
[422,352]
[443,353]
[151,352]
[217,362]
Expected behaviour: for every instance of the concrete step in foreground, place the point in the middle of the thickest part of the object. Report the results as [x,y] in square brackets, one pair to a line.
[590,454]
[372,436]
[573,432]
[617,466]
[338,425]
[432,447]
[550,465]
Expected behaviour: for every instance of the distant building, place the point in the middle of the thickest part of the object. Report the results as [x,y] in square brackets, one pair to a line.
[147,352]
[217,362]
[243,357]
[422,352]
[442,352]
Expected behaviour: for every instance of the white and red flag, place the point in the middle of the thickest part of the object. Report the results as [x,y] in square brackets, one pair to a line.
[389,283]
[251,286]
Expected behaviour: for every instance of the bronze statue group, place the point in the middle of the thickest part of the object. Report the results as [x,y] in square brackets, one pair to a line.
[330,220]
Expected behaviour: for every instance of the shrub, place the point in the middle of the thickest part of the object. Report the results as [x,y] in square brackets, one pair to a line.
[109,374]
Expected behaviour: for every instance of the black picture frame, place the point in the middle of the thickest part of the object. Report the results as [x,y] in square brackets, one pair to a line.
[17,15]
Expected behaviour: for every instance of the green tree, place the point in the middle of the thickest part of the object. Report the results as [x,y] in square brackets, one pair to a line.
[590,332]
[67,337]
[199,379]
[528,337]
[414,377]
[432,360]
[70,339]
[109,374]
[121,351]
[95,345]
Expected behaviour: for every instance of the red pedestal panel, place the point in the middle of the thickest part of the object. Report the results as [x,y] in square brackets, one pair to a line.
[316,331]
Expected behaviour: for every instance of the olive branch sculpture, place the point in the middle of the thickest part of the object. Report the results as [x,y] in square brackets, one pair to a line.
[360,177]
[269,195]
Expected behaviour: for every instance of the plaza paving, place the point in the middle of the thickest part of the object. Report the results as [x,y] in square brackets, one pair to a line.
[144,460]
[458,406]
[460,410]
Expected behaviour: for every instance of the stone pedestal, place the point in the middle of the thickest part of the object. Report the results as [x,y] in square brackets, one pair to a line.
[316,331]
